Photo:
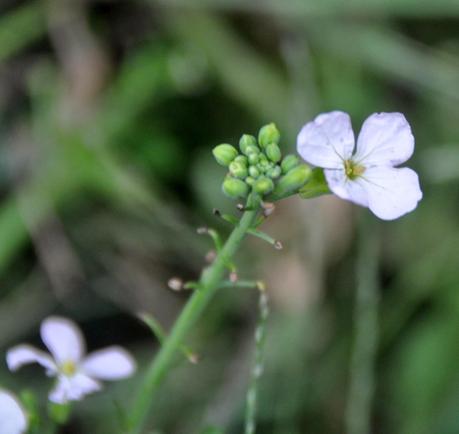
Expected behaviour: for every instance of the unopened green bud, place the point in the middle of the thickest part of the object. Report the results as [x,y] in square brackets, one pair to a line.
[263,185]
[273,152]
[242,159]
[293,180]
[268,134]
[249,180]
[254,158]
[263,158]
[249,150]
[274,172]
[224,154]
[238,170]
[289,162]
[235,188]
[246,141]
[264,165]
[254,172]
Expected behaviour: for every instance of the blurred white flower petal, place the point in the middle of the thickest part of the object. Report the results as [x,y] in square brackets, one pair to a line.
[76,374]
[26,354]
[113,363]
[63,339]
[13,419]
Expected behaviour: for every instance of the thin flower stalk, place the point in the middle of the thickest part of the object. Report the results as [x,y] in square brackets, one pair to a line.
[208,285]
[258,365]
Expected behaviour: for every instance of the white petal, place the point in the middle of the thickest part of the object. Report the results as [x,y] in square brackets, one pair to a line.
[63,339]
[385,140]
[25,354]
[327,140]
[392,192]
[345,188]
[112,363]
[73,388]
[13,419]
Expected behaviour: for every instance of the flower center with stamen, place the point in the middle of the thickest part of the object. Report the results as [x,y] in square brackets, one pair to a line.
[68,368]
[353,170]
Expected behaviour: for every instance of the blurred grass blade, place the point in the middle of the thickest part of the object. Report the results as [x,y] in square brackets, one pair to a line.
[295,8]
[391,54]
[20,27]
[366,306]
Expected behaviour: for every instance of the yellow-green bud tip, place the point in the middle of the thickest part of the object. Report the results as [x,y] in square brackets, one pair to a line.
[273,152]
[293,180]
[225,154]
[235,188]
[238,169]
[289,162]
[268,134]
[263,185]
[246,141]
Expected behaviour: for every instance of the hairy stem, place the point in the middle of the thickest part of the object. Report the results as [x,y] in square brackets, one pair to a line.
[208,286]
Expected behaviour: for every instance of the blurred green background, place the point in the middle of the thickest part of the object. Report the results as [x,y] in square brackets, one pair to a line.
[108,113]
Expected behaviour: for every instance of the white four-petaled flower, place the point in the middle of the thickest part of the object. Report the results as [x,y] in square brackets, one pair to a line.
[13,419]
[77,374]
[367,174]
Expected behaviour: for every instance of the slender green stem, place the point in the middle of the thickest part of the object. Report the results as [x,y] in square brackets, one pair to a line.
[258,365]
[161,335]
[208,284]
[361,389]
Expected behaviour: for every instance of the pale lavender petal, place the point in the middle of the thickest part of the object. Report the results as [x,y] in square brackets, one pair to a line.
[385,140]
[112,363]
[63,339]
[13,419]
[392,192]
[345,188]
[25,354]
[73,388]
[327,140]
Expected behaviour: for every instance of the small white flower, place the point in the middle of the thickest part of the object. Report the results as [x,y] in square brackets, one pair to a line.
[76,374]
[13,419]
[367,174]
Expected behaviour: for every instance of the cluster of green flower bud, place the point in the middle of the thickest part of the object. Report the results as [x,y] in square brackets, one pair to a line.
[258,166]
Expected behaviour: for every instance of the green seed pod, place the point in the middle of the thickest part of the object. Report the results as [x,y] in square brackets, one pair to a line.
[254,172]
[249,180]
[237,169]
[235,188]
[254,158]
[293,180]
[273,152]
[263,186]
[274,172]
[242,159]
[246,141]
[268,134]
[289,162]
[225,154]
